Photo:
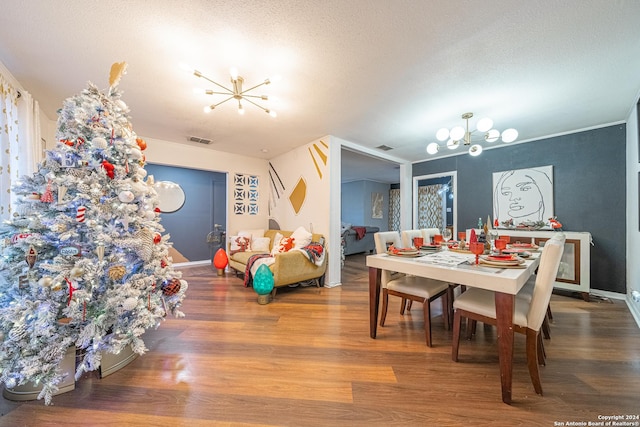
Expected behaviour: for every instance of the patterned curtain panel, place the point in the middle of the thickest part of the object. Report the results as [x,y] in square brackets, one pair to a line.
[430,207]
[394,210]
[20,143]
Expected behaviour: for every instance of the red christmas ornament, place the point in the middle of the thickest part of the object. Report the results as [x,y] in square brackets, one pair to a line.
[157,210]
[163,263]
[171,288]
[67,142]
[141,143]
[220,259]
[47,196]
[157,238]
[109,168]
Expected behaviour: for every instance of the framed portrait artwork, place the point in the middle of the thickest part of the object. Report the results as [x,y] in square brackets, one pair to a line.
[523,195]
[377,200]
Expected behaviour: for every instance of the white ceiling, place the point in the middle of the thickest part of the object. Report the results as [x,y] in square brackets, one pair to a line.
[372,72]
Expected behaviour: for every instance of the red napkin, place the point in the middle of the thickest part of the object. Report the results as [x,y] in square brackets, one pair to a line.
[473,238]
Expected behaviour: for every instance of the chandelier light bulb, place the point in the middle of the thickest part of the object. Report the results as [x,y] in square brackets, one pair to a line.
[433,148]
[475,150]
[234,73]
[453,144]
[442,134]
[457,133]
[207,109]
[484,124]
[240,110]
[492,135]
[509,135]
[272,113]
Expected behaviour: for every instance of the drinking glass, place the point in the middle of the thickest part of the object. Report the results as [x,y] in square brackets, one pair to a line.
[446,234]
[437,239]
[476,248]
[500,245]
[462,235]
[418,242]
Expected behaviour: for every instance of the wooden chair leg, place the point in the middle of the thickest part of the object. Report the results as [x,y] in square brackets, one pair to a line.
[549,313]
[546,330]
[409,304]
[455,342]
[542,355]
[385,303]
[471,328]
[403,304]
[445,310]
[426,305]
[532,359]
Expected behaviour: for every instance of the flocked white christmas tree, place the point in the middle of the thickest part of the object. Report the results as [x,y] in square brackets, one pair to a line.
[84,262]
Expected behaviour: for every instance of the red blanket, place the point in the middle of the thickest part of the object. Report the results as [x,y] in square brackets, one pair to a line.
[360,232]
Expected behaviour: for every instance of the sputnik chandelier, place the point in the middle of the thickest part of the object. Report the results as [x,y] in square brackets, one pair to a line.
[236,92]
[458,135]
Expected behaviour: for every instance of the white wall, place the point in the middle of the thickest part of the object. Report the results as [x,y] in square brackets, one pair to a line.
[176,154]
[309,165]
[633,235]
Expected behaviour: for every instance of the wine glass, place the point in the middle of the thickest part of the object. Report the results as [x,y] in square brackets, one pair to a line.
[493,235]
[446,234]
[462,235]
[500,245]
[476,248]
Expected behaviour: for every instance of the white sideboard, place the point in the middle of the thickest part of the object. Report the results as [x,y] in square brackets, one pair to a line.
[573,273]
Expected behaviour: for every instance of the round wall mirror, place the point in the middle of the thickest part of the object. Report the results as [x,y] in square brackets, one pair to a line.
[170,196]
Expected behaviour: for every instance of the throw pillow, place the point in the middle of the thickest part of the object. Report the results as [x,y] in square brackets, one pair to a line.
[239,244]
[276,243]
[301,237]
[260,244]
[286,244]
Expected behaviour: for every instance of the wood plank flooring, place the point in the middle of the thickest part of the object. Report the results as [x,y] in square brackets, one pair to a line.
[306,359]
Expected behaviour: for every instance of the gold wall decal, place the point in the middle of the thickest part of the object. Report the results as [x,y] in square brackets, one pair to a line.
[298,195]
[323,156]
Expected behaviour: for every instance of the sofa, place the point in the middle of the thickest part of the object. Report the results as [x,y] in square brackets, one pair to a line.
[288,268]
[352,243]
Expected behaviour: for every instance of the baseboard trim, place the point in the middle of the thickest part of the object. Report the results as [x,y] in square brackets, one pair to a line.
[192,263]
[634,308]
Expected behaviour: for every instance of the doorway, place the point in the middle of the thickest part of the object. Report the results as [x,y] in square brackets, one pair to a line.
[435,201]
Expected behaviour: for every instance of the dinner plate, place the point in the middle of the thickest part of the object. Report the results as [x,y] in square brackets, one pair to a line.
[523,246]
[523,253]
[485,260]
[430,247]
[405,252]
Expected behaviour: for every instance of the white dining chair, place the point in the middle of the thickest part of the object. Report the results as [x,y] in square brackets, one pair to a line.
[412,288]
[428,233]
[408,235]
[479,304]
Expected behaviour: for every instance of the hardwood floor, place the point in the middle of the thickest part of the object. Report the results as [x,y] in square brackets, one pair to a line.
[306,359]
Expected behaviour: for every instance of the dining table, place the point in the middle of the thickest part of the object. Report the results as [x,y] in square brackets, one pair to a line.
[460,269]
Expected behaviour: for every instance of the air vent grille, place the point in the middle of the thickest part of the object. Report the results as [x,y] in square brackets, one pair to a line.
[200,140]
[384,147]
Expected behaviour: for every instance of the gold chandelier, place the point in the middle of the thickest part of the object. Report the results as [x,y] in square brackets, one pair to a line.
[458,135]
[236,92]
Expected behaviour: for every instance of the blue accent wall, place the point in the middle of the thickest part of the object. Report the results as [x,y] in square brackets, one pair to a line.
[589,190]
[356,203]
[204,206]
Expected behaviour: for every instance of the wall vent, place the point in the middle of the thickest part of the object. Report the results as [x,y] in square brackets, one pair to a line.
[384,147]
[200,140]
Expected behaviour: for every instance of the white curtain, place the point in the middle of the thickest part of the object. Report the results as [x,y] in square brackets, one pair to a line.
[20,142]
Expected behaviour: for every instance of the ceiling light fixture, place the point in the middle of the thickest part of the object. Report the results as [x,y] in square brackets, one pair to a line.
[236,92]
[458,135]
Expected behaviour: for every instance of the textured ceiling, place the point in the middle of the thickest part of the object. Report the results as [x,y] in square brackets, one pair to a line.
[371,72]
